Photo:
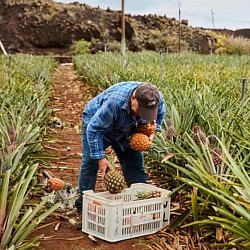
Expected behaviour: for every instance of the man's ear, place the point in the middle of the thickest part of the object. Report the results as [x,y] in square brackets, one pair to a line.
[132,97]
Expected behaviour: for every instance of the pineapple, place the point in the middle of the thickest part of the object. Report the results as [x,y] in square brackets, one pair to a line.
[156,194]
[148,195]
[213,141]
[114,181]
[140,142]
[55,184]
[171,133]
[147,128]
[216,152]
[216,157]
[198,133]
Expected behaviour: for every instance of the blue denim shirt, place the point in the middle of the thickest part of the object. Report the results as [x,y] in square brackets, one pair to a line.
[109,116]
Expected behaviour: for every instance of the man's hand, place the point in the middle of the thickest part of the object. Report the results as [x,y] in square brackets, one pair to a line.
[103,164]
[153,128]
[151,137]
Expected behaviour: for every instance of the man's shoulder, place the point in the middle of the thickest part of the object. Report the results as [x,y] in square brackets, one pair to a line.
[128,84]
[122,89]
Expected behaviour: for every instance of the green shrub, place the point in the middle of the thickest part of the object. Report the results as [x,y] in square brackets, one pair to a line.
[81,47]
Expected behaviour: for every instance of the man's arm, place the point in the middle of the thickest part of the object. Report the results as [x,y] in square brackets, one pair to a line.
[161,113]
[101,122]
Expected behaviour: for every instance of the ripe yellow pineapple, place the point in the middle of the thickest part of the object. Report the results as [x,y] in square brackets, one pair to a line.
[55,184]
[114,181]
[147,128]
[140,142]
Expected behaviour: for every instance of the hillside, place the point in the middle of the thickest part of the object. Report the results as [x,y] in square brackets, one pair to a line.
[42,27]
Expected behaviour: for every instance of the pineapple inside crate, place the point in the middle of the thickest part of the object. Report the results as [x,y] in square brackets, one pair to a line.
[115,217]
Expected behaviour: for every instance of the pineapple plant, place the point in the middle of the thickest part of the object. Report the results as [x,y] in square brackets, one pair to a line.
[142,195]
[140,142]
[171,133]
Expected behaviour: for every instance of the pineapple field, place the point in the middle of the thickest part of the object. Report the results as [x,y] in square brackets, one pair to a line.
[201,155]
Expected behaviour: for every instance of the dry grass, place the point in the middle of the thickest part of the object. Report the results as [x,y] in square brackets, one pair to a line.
[233,46]
[239,45]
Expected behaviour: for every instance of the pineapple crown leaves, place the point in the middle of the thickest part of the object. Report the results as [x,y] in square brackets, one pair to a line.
[112,162]
[141,195]
[171,131]
[213,140]
[169,122]
[65,197]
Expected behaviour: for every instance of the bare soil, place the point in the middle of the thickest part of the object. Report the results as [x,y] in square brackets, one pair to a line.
[68,98]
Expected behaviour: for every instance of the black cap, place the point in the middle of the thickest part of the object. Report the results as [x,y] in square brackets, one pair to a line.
[148,97]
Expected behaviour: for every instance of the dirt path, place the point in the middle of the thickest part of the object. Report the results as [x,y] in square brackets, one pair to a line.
[67,101]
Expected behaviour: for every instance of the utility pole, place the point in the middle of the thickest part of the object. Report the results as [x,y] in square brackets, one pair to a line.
[212,18]
[123,45]
[3,49]
[179,28]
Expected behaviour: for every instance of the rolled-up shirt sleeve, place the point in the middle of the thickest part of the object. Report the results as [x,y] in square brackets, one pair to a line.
[161,113]
[101,122]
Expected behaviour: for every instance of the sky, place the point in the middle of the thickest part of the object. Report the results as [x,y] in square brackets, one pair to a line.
[218,14]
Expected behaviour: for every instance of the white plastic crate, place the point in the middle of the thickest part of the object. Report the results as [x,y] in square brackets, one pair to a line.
[115,217]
